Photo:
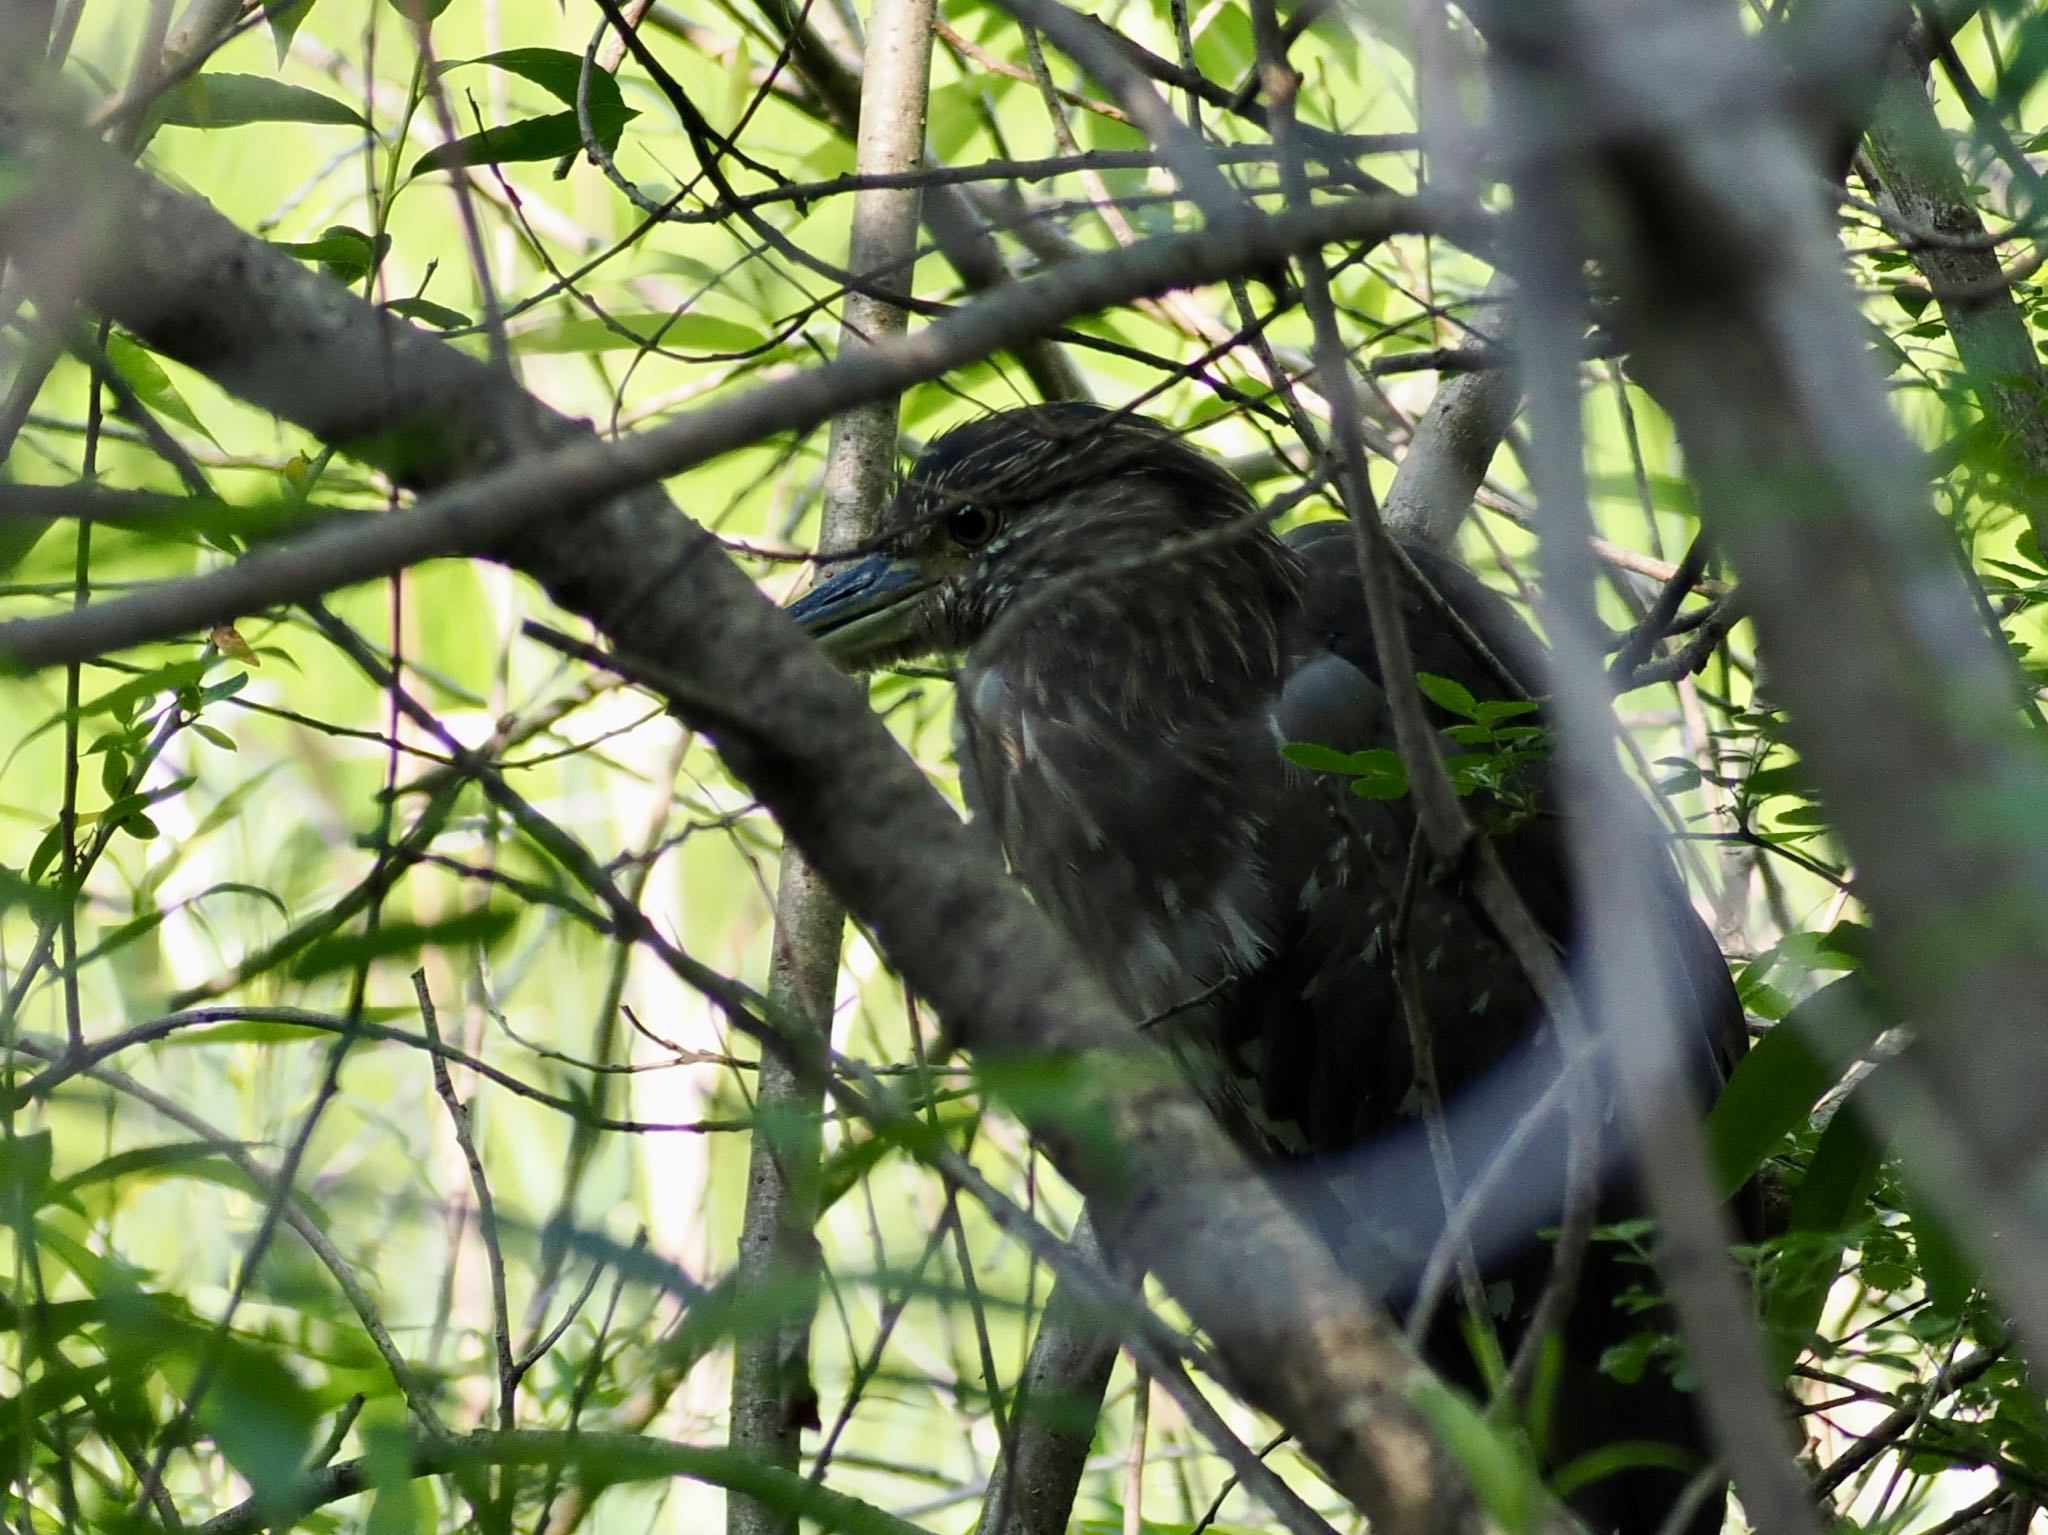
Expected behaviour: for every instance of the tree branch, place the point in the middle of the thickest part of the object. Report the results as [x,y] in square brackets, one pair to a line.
[773,1398]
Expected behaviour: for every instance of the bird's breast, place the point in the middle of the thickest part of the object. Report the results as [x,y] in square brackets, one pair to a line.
[1144,845]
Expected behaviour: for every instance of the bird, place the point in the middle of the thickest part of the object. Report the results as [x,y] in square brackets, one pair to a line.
[1151,685]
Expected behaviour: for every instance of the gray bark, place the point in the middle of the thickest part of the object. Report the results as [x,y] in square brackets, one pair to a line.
[773,1398]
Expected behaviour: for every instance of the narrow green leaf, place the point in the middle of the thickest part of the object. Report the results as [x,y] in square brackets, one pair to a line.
[1824,1212]
[1598,1465]
[427,312]
[285,18]
[232,101]
[345,254]
[143,1161]
[1495,1467]
[556,71]
[45,852]
[1948,1274]
[152,385]
[135,927]
[345,953]
[1769,1095]
[690,331]
[530,138]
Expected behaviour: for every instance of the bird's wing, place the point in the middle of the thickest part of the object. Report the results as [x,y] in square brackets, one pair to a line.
[1328,1010]
[1493,1066]
[1348,700]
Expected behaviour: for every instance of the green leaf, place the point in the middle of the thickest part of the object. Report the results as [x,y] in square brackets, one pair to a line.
[227,687]
[347,255]
[45,852]
[1610,1459]
[688,331]
[1626,1361]
[955,120]
[1451,697]
[178,1156]
[121,700]
[261,1416]
[1492,711]
[1381,785]
[1824,1210]
[557,72]
[395,1507]
[427,312]
[531,138]
[231,101]
[1495,1467]
[285,17]
[1947,1273]
[24,1174]
[1327,759]
[135,927]
[43,903]
[152,386]
[346,953]
[20,535]
[1772,1090]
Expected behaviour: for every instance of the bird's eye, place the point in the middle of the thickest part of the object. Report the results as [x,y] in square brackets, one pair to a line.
[971,526]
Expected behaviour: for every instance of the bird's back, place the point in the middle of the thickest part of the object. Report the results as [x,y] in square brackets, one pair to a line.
[1247,910]
[1494,1053]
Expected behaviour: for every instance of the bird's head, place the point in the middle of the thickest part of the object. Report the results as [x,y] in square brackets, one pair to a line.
[1068,523]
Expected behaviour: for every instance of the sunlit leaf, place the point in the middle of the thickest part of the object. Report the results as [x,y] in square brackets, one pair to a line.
[285,18]
[689,331]
[231,101]
[152,385]
[347,255]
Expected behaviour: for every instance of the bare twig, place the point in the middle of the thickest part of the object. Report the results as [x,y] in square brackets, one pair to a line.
[487,1227]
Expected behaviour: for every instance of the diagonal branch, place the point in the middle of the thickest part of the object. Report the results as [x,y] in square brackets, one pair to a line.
[267,329]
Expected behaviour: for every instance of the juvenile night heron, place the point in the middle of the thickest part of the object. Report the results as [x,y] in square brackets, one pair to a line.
[1138,646]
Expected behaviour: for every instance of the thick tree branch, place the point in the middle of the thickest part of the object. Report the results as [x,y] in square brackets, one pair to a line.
[269,330]
[1032,1485]
[1448,455]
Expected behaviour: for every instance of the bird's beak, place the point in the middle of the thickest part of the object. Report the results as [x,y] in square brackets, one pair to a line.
[863,614]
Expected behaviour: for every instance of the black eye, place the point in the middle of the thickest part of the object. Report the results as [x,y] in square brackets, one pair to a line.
[971,526]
